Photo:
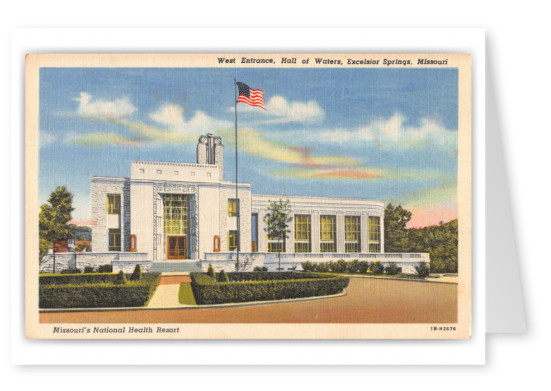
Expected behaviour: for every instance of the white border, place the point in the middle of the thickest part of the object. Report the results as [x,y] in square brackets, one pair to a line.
[245,352]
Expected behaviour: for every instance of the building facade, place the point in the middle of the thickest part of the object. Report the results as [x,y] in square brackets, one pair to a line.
[186,212]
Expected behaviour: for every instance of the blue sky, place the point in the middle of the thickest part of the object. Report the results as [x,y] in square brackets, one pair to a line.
[389,134]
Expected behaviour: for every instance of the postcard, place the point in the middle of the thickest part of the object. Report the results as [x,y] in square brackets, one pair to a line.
[248,196]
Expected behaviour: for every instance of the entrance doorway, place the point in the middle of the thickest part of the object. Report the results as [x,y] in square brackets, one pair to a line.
[176,247]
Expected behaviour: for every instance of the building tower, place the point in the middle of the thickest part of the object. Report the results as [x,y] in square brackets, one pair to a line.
[211,151]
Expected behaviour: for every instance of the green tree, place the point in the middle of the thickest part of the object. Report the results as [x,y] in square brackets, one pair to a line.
[53,218]
[277,222]
[396,234]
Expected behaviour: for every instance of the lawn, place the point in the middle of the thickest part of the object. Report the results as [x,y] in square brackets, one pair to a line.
[185,294]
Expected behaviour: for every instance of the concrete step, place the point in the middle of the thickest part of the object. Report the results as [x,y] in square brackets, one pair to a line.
[169,266]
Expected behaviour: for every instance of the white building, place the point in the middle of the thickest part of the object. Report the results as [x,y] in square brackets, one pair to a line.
[182,216]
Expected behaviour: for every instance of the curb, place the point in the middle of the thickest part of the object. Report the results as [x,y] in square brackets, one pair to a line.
[193,307]
[400,279]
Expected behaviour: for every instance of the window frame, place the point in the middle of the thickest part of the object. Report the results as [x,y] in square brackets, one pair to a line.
[303,226]
[233,240]
[233,207]
[112,207]
[112,235]
[328,245]
[352,245]
[374,235]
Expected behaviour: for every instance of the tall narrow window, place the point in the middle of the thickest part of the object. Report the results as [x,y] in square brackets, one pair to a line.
[302,233]
[233,207]
[254,232]
[374,234]
[114,240]
[113,204]
[176,214]
[352,234]
[233,240]
[328,235]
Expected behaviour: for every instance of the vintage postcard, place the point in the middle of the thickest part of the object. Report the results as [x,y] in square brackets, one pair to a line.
[248,196]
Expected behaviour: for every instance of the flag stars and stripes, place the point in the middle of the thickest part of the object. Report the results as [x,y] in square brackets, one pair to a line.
[250,96]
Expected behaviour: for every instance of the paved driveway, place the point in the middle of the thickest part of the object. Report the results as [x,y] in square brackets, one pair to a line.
[367,301]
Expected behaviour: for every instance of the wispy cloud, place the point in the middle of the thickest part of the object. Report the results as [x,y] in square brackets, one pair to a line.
[117,108]
[394,133]
[280,111]
[46,138]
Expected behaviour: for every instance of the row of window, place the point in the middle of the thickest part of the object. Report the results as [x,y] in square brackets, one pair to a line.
[328,234]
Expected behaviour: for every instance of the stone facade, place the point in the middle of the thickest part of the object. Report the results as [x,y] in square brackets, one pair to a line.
[144,196]
[82,260]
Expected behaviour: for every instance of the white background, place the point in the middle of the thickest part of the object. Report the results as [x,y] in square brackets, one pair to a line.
[517,53]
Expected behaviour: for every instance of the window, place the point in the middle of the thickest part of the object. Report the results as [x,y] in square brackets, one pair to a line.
[276,247]
[114,240]
[233,240]
[374,234]
[302,233]
[176,173]
[142,170]
[176,214]
[352,234]
[233,206]
[159,171]
[327,234]
[113,204]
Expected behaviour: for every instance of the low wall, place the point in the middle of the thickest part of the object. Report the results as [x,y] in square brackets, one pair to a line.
[129,266]
[82,260]
[293,261]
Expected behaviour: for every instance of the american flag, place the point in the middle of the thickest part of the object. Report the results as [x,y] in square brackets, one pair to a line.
[249,96]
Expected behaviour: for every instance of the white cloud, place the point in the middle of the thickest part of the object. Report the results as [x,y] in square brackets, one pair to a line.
[99,108]
[168,115]
[46,138]
[280,111]
[394,133]
[171,115]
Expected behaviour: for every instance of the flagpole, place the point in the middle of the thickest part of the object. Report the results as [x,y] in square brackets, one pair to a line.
[237,203]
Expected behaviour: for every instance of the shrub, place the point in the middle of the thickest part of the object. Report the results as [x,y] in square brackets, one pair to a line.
[422,269]
[206,291]
[322,267]
[136,274]
[133,294]
[260,269]
[210,271]
[307,266]
[223,277]
[363,266]
[377,268]
[88,269]
[70,271]
[105,269]
[339,266]
[121,278]
[352,267]
[391,269]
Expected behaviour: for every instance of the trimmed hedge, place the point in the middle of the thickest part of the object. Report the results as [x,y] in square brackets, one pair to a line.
[97,295]
[266,276]
[76,279]
[207,291]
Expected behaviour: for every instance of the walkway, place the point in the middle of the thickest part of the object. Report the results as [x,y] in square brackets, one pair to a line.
[166,295]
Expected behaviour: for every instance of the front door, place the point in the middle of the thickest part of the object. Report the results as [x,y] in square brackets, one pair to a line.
[176,247]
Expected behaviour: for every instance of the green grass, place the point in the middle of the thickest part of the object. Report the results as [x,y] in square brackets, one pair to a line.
[185,294]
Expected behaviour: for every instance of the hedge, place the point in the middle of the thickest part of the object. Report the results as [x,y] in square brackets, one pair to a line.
[98,295]
[207,291]
[265,276]
[76,279]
